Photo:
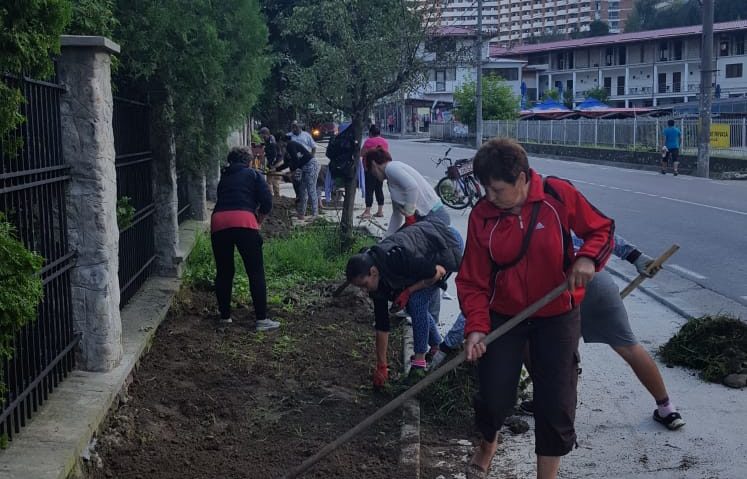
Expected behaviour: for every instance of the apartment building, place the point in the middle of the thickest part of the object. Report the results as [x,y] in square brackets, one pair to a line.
[641,69]
[449,54]
[514,21]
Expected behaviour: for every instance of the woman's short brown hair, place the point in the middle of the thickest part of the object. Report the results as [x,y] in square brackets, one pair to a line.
[240,154]
[502,160]
[376,155]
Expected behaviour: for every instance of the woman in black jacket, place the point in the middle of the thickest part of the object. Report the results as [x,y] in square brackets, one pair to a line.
[244,200]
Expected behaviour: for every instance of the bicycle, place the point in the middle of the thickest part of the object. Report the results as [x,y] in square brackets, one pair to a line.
[459,188]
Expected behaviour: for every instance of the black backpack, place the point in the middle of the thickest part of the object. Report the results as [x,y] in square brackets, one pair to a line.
[341,151]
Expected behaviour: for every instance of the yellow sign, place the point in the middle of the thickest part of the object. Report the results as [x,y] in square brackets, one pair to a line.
[720,136]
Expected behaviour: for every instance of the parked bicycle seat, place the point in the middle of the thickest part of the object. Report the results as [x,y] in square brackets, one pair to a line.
[462,161]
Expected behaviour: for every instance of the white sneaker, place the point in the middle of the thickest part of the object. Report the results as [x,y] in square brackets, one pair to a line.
[267,325]
[402,314]
[225,320]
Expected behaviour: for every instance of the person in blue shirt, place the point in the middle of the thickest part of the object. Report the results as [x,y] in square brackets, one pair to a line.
[671,148]
[603,320]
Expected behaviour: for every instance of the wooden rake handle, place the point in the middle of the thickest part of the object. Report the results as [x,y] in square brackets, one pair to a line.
[453,364]
[653,266]
[422,384]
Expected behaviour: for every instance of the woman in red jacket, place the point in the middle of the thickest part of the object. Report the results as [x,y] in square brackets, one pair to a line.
[518,249]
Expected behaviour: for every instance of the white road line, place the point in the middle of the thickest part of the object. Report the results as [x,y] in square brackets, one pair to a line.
[743,213]
[718,208]
[686,271]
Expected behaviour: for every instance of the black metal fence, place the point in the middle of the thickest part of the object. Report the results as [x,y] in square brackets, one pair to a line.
[182,192]
[135,207]
[33,183]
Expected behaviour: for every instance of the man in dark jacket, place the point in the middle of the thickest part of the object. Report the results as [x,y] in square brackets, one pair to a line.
[407,268]
[298,159]
[271,158]
[243,203]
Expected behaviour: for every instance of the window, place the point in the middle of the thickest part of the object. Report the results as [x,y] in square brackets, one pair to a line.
[663,52]
[621,56]
[621,85]
[677,50]
[723,49]
[734,70]
[739,45]
[643,54]
[508,74]
[440,80]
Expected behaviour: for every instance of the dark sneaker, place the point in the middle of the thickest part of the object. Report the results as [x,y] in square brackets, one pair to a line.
[527,407]
[672,422]
[415,375]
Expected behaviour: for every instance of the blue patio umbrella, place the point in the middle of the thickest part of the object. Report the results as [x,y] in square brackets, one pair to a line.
[549,105]
[592,104]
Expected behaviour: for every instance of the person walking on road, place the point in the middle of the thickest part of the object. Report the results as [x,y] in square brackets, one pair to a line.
[244,201]
[517,251]
[298,159]
[408,269]
[604,319]
[671,148]
[373,184]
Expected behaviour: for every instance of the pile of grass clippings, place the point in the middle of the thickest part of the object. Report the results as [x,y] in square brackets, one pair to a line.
[714,345]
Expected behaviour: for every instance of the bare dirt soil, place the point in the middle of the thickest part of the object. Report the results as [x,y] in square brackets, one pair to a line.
[226,402]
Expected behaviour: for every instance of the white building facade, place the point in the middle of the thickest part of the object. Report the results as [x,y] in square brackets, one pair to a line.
[641,69]
[514,21]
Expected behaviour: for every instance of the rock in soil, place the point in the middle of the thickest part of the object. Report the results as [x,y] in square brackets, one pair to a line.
[736,381]
[516,425]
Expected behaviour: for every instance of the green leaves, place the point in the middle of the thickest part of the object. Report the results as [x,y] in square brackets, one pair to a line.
[498,101]
[29,36]
[209,57]
[20,288]
[362,51]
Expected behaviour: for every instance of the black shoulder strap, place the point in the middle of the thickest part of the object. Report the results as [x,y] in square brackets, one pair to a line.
[525,242]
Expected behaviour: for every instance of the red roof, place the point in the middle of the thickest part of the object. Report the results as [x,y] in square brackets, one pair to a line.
[498,51]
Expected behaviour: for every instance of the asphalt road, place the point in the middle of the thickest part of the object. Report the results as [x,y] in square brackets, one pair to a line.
[707,218]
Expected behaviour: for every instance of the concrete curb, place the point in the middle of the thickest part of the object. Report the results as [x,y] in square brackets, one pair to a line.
[409,458]
[52,444]
[657,297]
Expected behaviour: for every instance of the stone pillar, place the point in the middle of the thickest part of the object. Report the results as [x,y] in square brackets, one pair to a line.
[197,196]
[88,146]
[166,224]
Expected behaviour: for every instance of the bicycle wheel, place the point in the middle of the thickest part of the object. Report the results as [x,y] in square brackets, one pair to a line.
[453,193]
[474,190]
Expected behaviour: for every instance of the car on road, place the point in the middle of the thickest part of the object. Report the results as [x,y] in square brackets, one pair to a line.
[324,130]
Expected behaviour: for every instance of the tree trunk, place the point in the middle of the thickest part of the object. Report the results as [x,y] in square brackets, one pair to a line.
[346,222]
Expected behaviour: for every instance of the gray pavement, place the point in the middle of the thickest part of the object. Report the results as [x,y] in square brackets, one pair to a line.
[707,218]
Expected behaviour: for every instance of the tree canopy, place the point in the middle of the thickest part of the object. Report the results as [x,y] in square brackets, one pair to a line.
[361,51]
[208,57]
[498,101]
[652,15]
[30,35]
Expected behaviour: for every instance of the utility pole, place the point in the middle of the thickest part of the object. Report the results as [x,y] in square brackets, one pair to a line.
[706,95]
[478,86]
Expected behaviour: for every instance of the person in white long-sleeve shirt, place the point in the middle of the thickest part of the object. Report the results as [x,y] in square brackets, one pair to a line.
[413,198]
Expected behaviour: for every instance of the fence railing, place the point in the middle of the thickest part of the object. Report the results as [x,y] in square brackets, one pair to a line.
[134,189]
[729,136]
[33,183]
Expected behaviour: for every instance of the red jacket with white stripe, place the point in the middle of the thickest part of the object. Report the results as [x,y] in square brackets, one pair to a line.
[495,237]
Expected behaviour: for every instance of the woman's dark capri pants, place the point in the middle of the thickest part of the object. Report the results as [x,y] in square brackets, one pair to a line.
[553,344]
